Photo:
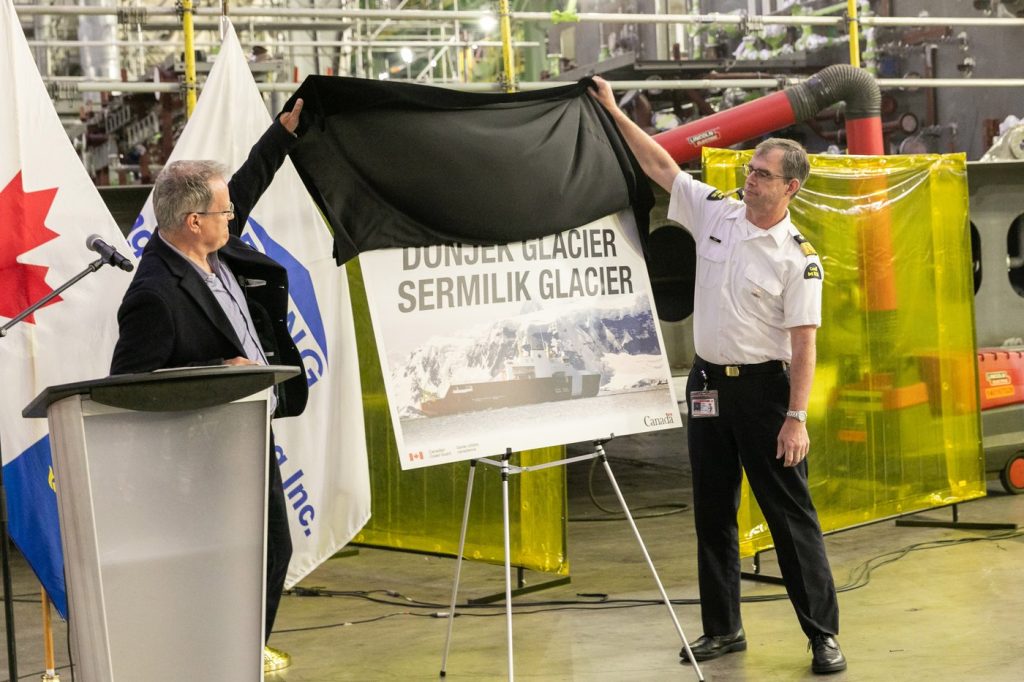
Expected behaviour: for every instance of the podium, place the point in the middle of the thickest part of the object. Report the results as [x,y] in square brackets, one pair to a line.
[161,482]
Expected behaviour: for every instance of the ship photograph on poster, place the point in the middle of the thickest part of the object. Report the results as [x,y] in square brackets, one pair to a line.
[534,358]
[534,376]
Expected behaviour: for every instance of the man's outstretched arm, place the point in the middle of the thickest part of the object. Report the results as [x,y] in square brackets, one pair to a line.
[653,158]
[253,177]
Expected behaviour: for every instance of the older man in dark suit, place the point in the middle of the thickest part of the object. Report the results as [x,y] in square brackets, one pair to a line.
[201,296]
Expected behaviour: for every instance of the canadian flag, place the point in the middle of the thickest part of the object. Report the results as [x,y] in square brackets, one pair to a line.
[48,207]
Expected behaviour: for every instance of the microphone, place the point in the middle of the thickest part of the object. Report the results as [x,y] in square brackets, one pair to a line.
[108,253]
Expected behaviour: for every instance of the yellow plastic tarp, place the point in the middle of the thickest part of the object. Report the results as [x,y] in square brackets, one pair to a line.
[893,418]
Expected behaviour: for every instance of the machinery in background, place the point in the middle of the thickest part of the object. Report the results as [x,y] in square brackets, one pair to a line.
[915,119]
[997,246]
[1009,146]
[122,136]
[1001,389]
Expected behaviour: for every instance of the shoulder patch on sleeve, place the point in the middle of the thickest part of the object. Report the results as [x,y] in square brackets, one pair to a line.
[812,271]
[716,195]
[805,245]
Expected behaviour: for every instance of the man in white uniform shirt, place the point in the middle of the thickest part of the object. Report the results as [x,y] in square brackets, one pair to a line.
[757,307]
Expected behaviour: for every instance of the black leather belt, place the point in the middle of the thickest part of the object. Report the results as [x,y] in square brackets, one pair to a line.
[770,367]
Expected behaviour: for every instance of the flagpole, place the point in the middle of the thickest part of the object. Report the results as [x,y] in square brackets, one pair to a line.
[190,57]
[12,648]
[48,659]
[508,57]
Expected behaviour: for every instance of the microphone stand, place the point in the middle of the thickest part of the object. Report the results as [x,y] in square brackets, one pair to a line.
[12,654]
[91,268]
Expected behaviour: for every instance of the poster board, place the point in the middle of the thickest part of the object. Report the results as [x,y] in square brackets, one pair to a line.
[543,342]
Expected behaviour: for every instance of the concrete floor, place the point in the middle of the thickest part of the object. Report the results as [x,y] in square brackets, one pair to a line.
[953,612]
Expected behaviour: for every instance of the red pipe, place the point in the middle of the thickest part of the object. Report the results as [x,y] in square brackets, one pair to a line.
[728,127]
[832,84]
[864,136]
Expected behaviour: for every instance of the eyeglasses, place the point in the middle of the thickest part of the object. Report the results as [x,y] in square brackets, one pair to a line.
[762,174]
[230,212]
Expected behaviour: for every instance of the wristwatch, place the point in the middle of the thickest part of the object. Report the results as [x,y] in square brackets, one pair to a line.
[799,415]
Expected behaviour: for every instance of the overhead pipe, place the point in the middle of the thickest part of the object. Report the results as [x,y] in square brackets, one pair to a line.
[712,19]
[396,44]
[85,85]
[836,83]
[101,59]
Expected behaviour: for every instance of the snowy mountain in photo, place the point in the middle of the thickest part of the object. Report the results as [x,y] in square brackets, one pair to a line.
[621,343]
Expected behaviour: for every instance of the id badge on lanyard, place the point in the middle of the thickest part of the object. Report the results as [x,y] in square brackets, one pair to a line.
[704,403]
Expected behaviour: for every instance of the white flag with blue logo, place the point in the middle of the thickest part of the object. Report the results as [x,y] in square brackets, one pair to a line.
[48,207]
[323,452]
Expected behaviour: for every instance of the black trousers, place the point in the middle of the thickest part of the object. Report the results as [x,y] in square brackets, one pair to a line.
[744,438]
[279,541]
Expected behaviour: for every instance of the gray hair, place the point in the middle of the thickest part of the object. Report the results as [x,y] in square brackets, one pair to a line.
[795,165]
[183,187]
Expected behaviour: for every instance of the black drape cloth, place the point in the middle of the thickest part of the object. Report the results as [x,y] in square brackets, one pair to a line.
[398,164]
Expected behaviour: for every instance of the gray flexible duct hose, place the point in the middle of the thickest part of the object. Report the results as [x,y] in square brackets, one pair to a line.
[837,83]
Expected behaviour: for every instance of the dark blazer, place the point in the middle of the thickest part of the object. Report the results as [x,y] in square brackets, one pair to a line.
[170,318]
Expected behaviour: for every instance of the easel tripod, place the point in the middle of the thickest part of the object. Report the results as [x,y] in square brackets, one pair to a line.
[507,470]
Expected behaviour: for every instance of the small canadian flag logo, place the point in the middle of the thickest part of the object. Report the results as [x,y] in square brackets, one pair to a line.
[415,456]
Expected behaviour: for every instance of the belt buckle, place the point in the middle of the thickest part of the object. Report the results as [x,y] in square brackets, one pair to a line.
[732,371]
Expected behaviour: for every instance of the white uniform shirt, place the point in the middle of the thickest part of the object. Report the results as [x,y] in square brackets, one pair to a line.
[752,284]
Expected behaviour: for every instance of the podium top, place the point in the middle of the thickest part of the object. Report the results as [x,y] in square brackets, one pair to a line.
[168,390]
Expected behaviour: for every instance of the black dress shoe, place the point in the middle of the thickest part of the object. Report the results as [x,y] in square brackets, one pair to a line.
[707,647]
[828,657]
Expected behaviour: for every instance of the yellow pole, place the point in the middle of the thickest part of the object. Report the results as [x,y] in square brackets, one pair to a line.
[851,10]
[190,57]
[505,16]
[48,660]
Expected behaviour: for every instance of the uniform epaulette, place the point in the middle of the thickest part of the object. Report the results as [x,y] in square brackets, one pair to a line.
[718,195]
[805,245]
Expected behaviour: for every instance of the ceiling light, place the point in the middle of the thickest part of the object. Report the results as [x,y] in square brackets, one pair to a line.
[488,23]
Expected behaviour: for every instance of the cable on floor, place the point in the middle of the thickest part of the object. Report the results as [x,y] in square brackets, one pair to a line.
[346,623]
[618,514]
[859,576]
